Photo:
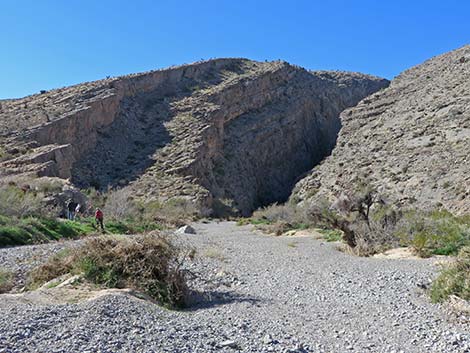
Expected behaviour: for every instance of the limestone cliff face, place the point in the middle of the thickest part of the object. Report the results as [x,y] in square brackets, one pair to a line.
[230,132]
[411,140]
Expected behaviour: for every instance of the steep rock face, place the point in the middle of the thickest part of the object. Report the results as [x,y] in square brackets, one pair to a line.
[230,130]
[411,140]
[286,137]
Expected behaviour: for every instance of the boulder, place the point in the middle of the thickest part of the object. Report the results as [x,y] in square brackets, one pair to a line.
[187,229]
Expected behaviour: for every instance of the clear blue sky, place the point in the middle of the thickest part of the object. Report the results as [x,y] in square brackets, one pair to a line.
[47,44]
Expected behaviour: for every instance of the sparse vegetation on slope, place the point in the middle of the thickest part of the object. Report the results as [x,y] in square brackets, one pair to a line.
[150,263]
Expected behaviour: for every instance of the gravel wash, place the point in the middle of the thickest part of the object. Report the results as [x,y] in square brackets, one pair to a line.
[255,293]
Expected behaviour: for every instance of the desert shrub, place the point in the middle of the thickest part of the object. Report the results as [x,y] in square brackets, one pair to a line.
[454,279]
[150,263]
[369,225]
[120,205]
[17,202]
[275,212]
[224,208]
[6,280]
[366,221]
[95,198]
[434,233]
[4,155]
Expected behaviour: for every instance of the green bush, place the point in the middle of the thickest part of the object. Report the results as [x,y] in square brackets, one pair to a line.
[150,263]
[454,279]
[434,233]
[331,235]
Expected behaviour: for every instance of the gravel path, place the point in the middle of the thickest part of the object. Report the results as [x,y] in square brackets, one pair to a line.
[269,294]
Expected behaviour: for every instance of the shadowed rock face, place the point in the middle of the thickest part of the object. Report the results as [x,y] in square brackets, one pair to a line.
[226,132]
[410,140]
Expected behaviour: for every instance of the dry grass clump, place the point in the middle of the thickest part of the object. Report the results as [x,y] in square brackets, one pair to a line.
[214,253]
[6,281]
[454,279]
[149,263]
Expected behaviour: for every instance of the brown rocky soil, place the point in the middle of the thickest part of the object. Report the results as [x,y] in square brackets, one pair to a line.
[225,133]
[410,140]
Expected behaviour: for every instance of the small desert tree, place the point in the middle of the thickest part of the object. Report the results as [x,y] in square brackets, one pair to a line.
[366,220]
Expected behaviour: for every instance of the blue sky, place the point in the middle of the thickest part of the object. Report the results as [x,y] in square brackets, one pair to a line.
[50,43]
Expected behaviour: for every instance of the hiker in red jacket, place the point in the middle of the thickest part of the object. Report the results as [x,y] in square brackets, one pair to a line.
[99,218]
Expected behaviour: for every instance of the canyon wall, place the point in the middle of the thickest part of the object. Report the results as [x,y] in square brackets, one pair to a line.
[225,133]
[411,141]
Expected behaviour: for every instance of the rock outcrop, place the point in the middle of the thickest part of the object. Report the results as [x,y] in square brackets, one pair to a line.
[410,140]
[225,133]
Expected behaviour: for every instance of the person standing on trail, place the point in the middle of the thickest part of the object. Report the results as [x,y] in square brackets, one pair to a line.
[77,210]
[71,209]
[99,218]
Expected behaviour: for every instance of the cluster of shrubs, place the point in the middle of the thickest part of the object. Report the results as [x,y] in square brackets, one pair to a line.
[149,263]
[369,224]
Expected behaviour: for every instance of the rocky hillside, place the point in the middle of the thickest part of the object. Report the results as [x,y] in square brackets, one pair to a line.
[411,140]
[224,133]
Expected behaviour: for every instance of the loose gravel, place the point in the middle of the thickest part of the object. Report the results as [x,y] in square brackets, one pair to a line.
[256,293]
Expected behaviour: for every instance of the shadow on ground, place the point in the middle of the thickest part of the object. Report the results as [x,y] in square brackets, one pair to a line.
[210,299]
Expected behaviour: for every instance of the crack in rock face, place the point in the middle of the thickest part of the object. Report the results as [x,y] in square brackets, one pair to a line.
[226,134]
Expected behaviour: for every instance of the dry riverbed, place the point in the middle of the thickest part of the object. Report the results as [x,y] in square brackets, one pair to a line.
[255,293]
